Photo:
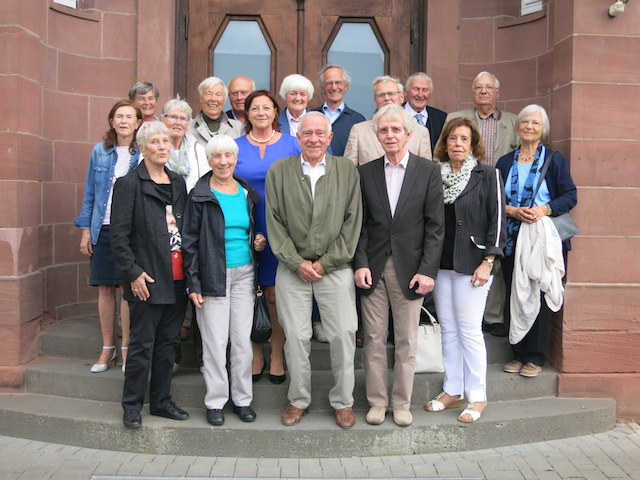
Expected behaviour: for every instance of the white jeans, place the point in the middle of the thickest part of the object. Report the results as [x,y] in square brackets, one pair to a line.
[460,307]
[224,319]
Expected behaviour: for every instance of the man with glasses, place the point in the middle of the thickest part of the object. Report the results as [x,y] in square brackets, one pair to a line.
[239,89]
[334,83]
[498,130]
[363,145]
[419,90]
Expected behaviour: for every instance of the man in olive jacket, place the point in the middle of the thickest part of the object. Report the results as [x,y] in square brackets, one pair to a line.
[314,216]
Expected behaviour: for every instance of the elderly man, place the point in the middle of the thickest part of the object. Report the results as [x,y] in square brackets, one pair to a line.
[239,89]
[363,146]
[146,96]
[314,216]
[334,83]
[397,258]
[211,120]
[419,90]
[499,133]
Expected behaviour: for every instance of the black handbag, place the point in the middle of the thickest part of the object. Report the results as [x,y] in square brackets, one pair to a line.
[261,331]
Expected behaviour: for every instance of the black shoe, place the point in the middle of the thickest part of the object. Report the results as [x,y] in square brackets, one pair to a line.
[277,379]
[496,329]
[215,417]
[246,414]
[132,418]
[255,377]
[171,411]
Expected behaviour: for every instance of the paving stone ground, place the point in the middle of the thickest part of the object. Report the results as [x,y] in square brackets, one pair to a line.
[611,455]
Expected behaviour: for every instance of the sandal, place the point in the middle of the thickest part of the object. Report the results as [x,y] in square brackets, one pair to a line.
[474,414]
[438,406]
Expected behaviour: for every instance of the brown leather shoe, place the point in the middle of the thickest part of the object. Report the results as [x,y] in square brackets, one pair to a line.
[345,417]
[292,415]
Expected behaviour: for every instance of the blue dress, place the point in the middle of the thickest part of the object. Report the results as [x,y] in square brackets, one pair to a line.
[254,170]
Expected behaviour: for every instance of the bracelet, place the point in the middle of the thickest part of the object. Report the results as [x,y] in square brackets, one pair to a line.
[490,261]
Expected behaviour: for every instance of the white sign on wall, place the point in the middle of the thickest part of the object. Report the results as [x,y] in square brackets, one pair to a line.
[530,6]
[67,3]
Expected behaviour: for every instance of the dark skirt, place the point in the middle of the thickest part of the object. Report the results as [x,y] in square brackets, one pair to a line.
[103,268]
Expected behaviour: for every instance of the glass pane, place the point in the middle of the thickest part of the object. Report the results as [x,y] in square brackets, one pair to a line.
[243,50]
[356,49]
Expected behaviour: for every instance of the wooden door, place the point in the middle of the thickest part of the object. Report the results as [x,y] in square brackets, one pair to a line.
[298,32]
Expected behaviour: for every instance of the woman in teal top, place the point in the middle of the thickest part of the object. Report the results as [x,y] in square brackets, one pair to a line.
[218,241]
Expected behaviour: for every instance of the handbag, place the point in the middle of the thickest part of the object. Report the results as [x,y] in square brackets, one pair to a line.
[429,351]
[261,330]
[565,225]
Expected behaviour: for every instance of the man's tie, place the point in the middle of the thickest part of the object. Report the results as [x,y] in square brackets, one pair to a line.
[420,119]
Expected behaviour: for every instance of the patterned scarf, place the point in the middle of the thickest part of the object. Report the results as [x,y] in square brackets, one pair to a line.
[455,183]
[513,225]
[179,160]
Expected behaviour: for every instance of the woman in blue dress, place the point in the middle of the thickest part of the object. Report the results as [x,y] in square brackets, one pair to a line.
[258,149]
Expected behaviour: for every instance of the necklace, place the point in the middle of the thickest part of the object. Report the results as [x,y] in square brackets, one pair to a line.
[273,132]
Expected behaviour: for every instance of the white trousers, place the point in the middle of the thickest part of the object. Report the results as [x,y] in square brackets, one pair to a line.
[336,297]
[460,307]
[223,320]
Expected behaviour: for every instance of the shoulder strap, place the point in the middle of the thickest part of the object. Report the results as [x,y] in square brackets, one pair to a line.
[543,172]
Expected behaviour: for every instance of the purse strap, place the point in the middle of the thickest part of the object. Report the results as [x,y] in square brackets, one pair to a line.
[543,172]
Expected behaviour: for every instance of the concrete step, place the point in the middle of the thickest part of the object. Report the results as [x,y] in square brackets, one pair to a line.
[66,377]
[80,338]
[96,424]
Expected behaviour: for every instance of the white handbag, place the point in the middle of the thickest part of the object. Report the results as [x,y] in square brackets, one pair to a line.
[429,351]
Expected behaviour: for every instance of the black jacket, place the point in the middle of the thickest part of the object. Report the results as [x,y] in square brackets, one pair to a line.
[203,245]
[139,233]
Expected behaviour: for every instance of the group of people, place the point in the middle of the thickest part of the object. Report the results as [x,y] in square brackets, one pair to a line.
[326,211]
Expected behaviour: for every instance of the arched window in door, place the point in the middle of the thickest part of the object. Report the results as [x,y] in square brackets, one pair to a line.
[244,49]
[357,46]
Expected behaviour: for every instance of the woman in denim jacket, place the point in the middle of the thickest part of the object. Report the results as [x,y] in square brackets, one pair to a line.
[111,159]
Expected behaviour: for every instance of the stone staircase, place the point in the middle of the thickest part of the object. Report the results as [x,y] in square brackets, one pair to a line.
[64,403]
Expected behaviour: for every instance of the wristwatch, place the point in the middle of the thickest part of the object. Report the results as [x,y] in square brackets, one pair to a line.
[549,211]
[490,261]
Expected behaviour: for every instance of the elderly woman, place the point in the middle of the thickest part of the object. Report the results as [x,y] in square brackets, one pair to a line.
[187,155]
[145,95]
[528,201]
[148,207]
[218,236]
[111,159]
[296,90]
[262,146]
[474,236]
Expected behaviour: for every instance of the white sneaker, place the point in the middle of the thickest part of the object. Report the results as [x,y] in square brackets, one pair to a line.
[318,333]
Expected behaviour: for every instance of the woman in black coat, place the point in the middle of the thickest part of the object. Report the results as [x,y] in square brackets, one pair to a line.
[146,222]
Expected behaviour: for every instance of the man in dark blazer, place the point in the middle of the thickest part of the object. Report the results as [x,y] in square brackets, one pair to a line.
[419,88]
[397,258]
[239,89]
[334,83]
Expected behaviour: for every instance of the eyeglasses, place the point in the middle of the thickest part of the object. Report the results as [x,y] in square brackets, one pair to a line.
[387,94]
[488,88]
[337,83]
[176,118]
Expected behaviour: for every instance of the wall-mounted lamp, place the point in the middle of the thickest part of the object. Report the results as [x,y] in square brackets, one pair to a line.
[617,8]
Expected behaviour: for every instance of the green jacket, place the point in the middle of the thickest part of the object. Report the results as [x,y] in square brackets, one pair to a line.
[326,228]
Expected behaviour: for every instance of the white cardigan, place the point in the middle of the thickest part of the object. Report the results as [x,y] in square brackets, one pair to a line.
[538,266]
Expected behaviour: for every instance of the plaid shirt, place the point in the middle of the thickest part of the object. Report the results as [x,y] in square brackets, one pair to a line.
[489,133]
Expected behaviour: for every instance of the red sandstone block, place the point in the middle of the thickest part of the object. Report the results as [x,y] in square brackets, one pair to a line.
[607,163]
[11,378]
[509,44]
[477,43]
[562,28]
[605,260]
[71,161]
[119,36]
[601,308]
[91,76]
[585,22]
[545,80]
[624,387]
[59,202]
[617,58]
[560,113]
[61,286]
[66,116]
[478,8]
[66,244]
[20,204]
[605,211]
[117,6]
[60,27]
[601,352]
[562,63]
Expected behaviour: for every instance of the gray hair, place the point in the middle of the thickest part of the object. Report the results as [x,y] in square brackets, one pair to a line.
[421,76]
[221,143]
[387,78]
[345,75]
[142,88]
[147,129]
[495,79]
[533,108]
[312,114]
[295,82]
[394,112]
[211,82]
[177,104]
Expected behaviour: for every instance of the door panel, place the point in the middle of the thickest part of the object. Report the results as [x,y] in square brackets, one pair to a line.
[300,33]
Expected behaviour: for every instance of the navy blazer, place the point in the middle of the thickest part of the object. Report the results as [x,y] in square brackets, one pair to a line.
[341,128]
[481,223]
[435,123]
[414,235]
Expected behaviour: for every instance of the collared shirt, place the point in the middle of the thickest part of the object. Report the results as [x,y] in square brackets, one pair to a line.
[489,133]
[424,114]
[314,173]
[394,176]
[332,115]
[294,123]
